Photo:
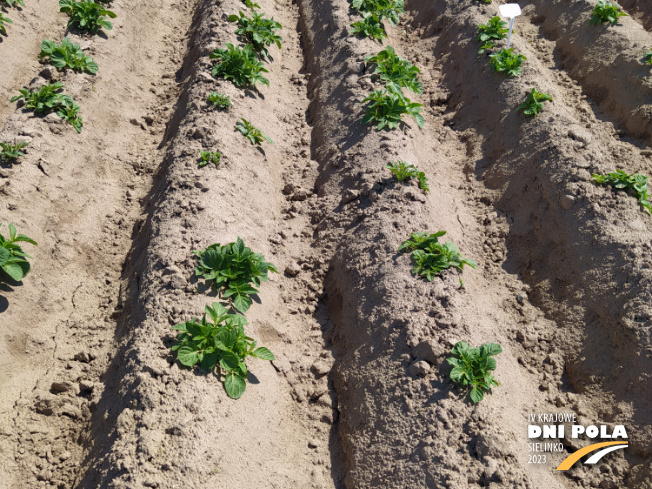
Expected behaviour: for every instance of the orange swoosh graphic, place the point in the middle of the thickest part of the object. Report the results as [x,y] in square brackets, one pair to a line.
[571,459]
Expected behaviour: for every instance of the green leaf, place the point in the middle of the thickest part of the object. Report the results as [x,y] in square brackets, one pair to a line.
[477,395]
[234,385]
[5,254]
[16,270]
[457,374]
[264,354]
[229,360]
[187,356]
[209,361]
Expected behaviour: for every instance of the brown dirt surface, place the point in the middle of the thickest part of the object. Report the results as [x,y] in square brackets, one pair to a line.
[359,394]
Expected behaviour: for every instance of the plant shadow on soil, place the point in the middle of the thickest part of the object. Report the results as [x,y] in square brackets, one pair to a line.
[6,285]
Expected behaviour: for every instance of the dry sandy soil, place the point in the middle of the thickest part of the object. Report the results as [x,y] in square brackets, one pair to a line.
[359,395]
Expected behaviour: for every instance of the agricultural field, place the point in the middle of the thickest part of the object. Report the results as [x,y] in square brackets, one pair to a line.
[325,244]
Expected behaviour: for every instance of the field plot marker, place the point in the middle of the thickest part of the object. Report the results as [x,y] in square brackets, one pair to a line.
[510,10]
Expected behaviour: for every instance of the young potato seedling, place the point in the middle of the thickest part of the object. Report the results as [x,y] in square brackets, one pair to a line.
[219,101]
[632,183]
[4,19]
[387,107]
[206,157]
[258,31]
[87,15]
[11,152]
[251,5]
[494,30]
[472,367]
[647,58]
[231,269]
[534,102]
[218,340]
[507,61]
[384,9]
[432,257]
[239,65]
[404,172]
[50,99]
[13,260]
[606,11]
[67,55]
[254,135]
[370,27]
[394,70]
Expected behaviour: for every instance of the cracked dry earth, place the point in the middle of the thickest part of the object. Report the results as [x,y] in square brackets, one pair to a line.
[359,394]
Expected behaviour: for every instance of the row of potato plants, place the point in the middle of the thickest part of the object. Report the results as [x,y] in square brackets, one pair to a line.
[244,67]
[86,16]
[508,61]
[472,367]
[217,342]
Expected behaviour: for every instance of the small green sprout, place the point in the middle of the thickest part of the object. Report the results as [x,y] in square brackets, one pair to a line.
[257,31]
[606,11]
[239,65]
[254,135]
[472,367]
[432,257]
[507,61]
[4,19]
[11,152]
[494,30]
[534,102]
[13,260]
[370,27]
[404,172]
[634,183]
[647,58]
[386,109]
[219,101]
[206,157]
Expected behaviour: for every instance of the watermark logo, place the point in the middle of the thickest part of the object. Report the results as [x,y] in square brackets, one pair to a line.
[553,426]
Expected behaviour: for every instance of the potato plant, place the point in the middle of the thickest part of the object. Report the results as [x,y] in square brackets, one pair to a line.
[606,11]
[67,55]
[633,183]
[647,58]
[219,101]
[4,20]
[219,340]
[50,99]
[384,9]
[232,269]
[254,135]
[11,152]
[13,260]
[431,257]
[472,367]
[258,31]
[394,70]
[370,27]
[507,61]
[494,30]
[87,15]
[404,172]
[534,102]
[239,65]
[387,107]
[206,157]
